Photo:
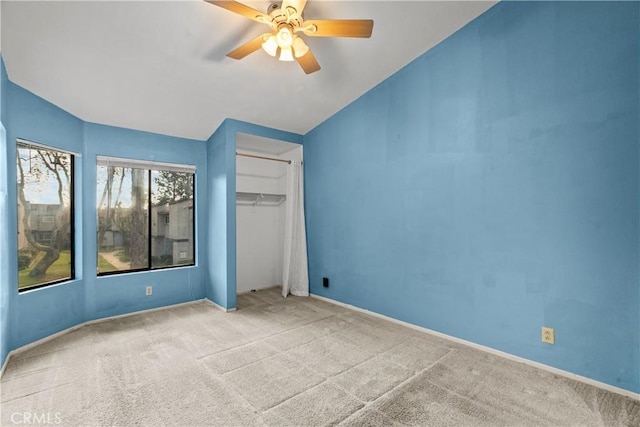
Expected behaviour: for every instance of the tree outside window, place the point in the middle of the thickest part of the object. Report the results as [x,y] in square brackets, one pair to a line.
[45,215]
[145,218]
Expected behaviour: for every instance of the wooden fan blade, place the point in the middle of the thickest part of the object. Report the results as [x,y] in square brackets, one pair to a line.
[298,5]
[308,63]
[340,28]
[243,10]
[247,48]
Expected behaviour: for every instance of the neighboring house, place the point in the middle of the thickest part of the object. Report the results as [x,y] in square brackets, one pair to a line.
[172,231]
[112,237]
[40,224]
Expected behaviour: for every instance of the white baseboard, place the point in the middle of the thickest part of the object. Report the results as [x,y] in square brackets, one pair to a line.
[26,347]
[493,351]
[6,362]
[258,289]
[135,313]
[218,306]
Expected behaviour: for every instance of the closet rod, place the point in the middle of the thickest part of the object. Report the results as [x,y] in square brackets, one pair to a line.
[261,157]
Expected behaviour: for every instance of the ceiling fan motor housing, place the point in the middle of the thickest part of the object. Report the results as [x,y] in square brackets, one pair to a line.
[281,16]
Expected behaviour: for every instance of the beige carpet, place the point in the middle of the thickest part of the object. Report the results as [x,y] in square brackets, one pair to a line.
[277,362]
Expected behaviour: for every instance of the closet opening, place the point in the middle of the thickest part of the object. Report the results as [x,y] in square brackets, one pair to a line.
[264,212]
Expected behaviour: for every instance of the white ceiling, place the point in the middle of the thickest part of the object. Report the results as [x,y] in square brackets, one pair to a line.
[160,66]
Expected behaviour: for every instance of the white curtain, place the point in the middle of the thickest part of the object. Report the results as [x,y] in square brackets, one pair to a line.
[295,278]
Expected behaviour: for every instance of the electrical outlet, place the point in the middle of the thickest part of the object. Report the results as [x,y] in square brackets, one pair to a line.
[548,335]
[149,290]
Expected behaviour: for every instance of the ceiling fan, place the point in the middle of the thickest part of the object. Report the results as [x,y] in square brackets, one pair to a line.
[286,21]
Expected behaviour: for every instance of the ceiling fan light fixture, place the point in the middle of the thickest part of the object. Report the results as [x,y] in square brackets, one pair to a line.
[300,48]
[284,37]
[270,45]
[286,54]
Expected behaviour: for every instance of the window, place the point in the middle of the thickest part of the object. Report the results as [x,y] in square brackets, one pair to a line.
[45,215]
[135,201]
[44,236]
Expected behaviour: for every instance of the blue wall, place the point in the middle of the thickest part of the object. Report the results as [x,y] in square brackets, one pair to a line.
[4,213]
[221,162]
[491,187]
[124,293]
[221,149]
[38,313]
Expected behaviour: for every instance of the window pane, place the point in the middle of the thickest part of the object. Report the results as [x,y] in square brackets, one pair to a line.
[45,246]
[123,230]
[171,219]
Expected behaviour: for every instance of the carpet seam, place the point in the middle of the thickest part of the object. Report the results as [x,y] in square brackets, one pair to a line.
[327,379]
[370,403]
[275,335]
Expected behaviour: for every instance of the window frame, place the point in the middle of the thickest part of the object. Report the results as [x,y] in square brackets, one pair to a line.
[49,218]
[31,145]
[150,167]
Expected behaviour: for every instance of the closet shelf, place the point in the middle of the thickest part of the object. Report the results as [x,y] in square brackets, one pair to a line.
[255,199]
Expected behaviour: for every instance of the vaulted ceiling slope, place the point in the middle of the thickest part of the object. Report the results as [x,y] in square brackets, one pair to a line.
[160,66]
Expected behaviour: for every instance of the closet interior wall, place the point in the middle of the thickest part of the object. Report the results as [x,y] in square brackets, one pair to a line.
[260,225]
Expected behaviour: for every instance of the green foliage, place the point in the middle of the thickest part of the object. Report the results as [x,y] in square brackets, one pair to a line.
[123,256]
[173,187]
[59,270]
[24,259]
[104,265]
